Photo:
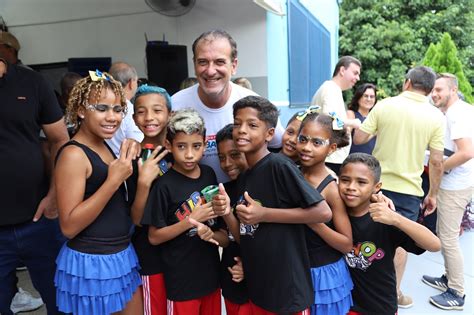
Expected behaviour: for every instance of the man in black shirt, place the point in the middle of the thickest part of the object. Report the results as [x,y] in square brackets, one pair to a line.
[29,231]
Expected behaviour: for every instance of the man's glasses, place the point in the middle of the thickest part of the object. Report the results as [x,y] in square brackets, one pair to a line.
[102,108]
[317,142]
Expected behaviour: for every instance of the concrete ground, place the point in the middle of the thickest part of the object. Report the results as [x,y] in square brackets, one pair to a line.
[428,263]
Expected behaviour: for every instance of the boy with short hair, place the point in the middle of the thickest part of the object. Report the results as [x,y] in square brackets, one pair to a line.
[152,109]
[176,212]
[377,231]
[234,289]
[276,204]
[231,160]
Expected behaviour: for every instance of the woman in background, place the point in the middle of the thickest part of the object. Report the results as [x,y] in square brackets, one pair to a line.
[364,100]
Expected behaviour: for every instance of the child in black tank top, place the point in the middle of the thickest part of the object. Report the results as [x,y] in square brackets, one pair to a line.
[318,137]
[97,269]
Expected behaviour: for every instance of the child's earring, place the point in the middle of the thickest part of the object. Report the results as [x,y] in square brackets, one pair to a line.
[81,116]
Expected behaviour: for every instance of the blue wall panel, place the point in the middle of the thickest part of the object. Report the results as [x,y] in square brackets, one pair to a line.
[309,54]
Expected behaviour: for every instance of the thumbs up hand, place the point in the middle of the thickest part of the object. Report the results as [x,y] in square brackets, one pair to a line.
[250,213]
[237,270]
[221,202]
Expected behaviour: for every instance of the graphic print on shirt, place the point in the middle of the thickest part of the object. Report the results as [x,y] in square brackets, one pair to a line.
[211,147]
[363,255]
[247,229]
[187,207]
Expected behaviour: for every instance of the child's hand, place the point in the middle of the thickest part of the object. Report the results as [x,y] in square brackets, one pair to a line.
[237,270]
[251,213]
[121,168]
[131,147]
[202,212]
[380,212]
[204,232]
[149,170]
[221,202]
[379,197]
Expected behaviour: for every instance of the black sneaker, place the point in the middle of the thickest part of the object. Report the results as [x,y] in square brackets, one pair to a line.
[449,300]
[440,283]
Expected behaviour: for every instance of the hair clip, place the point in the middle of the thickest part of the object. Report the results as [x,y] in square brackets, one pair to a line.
[98,76]
[313,109]
[337,123]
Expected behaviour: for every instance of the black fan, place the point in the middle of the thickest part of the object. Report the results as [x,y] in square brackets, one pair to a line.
[171,7]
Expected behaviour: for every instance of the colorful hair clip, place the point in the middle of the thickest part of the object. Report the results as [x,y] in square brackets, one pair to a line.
[313,109]
[98,76]
[337,123]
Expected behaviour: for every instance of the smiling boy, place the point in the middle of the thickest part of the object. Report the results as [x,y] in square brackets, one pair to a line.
[276,202]
[376,232]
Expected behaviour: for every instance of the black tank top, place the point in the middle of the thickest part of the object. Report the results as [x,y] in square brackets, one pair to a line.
[320,253]
[110,231]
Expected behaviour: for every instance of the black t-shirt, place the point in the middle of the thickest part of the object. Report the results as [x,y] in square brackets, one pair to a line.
[233,291]
[275,256]
[371,264]
[150,256]
[191,265]
[27,101]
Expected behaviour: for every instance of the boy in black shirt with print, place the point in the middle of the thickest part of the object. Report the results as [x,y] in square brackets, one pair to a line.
[276,203]
[377,231]
[176,212]
[234,288]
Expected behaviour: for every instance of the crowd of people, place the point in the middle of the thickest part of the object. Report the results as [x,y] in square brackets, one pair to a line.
[129,214]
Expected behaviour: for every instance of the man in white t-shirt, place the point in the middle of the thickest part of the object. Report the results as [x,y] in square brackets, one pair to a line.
[329,97]
[455,190]
[127,75]
[215,61]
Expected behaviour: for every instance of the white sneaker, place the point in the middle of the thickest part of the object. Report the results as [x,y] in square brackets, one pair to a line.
[23,301]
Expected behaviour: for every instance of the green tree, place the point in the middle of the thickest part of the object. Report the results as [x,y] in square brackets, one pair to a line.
[391,36]
[443,57]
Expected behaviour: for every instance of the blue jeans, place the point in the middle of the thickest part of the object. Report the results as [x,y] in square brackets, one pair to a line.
[36,245]
[406,205]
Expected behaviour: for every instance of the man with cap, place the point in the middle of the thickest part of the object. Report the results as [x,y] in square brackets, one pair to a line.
[9,47]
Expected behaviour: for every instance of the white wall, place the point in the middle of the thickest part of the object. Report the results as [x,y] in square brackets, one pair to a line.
[54,30]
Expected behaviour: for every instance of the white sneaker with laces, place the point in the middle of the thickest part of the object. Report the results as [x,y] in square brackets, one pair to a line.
[23,301]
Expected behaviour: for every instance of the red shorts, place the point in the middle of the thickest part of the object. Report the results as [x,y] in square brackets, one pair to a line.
[256,310]
[237,309]
[154,295]
[207,305]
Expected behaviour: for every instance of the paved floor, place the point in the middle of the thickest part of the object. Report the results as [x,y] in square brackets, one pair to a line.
[428,263]
[432,264]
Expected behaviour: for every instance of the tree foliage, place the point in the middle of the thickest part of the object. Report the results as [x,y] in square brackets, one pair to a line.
[391,36]
[443,57]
